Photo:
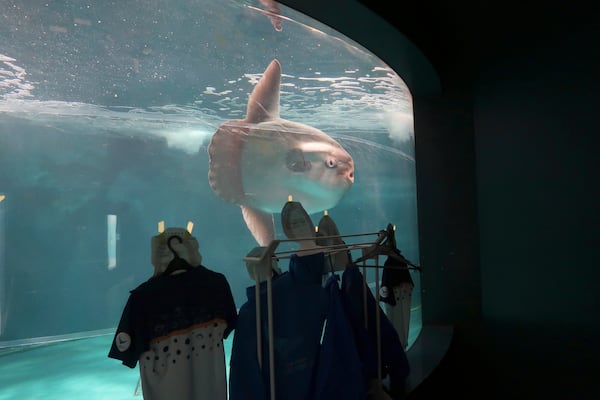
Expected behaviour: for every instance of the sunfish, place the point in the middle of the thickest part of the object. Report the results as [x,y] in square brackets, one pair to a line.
[259,161]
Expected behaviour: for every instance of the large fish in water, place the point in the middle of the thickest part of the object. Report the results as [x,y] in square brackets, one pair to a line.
[259,161]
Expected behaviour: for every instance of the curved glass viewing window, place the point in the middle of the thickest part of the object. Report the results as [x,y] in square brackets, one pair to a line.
[107,111]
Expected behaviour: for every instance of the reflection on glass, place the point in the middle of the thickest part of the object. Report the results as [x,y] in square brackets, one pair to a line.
[111,240]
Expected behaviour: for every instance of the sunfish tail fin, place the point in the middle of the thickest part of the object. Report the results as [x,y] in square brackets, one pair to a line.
[260,224]
[224,155]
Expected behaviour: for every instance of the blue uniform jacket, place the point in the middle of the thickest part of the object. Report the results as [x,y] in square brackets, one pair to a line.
[300,305]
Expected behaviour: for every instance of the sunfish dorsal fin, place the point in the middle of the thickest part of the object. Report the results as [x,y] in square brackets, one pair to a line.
[263,104]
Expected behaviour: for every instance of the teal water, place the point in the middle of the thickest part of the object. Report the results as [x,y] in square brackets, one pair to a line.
[106,112]
[74,369]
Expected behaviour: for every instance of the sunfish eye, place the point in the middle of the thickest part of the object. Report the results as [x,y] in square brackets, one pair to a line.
[331,162]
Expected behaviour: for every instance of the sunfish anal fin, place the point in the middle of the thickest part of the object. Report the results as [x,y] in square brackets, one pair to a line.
[260,224]
[263,104]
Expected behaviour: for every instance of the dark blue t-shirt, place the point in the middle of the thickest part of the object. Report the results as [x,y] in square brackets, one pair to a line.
[300,305]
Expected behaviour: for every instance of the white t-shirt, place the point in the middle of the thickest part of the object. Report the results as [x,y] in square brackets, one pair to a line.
[174,325]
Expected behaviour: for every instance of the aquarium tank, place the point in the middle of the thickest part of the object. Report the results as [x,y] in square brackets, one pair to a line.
[108,110]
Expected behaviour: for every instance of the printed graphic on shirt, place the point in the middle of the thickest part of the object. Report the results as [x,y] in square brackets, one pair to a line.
[185,345]
[186,364]
[122,341]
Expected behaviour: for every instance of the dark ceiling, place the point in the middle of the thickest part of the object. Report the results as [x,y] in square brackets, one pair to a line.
[460,37]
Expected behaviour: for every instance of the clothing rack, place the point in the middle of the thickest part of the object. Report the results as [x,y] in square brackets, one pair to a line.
[370,249]
[259,262]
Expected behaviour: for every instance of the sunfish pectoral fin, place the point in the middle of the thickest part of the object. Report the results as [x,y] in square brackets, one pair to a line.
[260,224]
[295,161]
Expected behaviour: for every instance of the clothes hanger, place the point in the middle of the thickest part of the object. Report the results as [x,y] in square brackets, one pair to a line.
[177,263]
[385,245]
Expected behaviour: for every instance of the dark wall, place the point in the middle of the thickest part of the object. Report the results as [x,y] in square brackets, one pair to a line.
[537,145]
[528,121]
[535,116]
[447,208]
